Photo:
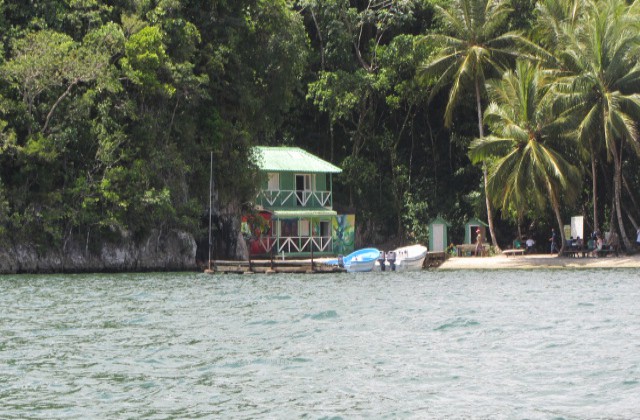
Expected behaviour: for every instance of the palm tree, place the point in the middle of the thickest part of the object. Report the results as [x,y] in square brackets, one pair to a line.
[603,92]
[527,140]
[555,22]
[475,46]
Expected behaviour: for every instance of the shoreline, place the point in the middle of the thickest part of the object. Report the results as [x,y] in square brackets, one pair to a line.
[530,262]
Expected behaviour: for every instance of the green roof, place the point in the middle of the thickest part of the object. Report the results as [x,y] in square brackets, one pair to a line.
[292,159]
[291,214]
[439,220]
[475,222]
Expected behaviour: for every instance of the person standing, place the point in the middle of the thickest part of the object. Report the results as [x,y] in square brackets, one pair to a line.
[638,238]
[598,248]
[554,241]
[614,242]
[479,245]
[530,243]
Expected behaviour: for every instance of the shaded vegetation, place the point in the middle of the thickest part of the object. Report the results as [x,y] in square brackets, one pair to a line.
[109,112]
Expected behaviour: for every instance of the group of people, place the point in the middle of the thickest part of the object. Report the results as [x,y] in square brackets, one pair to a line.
[530,243]
[613,242]
[599,243]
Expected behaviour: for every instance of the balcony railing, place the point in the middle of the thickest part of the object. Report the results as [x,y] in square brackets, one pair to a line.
[291,198]
[295,244]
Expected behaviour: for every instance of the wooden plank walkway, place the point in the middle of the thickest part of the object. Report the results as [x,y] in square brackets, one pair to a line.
[272,267]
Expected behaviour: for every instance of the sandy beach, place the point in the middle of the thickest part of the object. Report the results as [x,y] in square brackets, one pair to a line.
[538,261]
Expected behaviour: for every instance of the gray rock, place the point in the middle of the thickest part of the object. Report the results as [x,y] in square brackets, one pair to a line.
[160,251]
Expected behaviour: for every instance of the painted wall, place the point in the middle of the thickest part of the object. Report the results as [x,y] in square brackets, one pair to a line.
[343,233]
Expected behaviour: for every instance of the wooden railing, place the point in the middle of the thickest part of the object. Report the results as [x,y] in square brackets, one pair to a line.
[302,198]
[295,244]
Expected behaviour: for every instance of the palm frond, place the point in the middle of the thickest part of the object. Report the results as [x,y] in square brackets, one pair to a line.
[488,147]
[452,22]
[464,72]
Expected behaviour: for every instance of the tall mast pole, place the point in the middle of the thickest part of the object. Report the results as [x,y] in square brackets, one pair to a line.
[210,205]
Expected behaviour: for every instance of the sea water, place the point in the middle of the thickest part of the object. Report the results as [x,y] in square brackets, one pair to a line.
[469,344]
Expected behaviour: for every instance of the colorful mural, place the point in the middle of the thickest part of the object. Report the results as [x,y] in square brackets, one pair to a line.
[256,229]
[343,233]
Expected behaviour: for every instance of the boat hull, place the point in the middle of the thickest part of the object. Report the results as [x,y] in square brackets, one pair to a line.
[409,258]
[411,264]
[358,261]
[360,266]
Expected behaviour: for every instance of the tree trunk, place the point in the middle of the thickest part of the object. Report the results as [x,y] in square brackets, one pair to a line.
[519,223]
[319,33]
[613,220]
[435,157]
[596,224]
[617,192]
[485,172]
[625,184]
[556,209]
[631,219]
[397,194]
[56,103]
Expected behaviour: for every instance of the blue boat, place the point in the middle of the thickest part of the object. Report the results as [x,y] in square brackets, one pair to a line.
[361,260]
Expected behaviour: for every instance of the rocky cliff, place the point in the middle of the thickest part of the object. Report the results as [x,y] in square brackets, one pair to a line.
[173,250]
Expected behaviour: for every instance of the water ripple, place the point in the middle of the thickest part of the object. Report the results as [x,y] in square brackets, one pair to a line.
[480,345]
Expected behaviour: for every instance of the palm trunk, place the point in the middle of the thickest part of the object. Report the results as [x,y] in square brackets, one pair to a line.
[485,173]
[631,219]
[614,219]
[556,209]
[596,225]
[625,184]
[617,192]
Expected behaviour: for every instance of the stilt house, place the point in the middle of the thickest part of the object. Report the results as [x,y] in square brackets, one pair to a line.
[294,214]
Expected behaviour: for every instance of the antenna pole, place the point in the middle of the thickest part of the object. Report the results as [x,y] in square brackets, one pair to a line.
[210,205]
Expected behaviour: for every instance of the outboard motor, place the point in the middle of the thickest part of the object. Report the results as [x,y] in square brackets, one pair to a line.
[391,258]
[341,261]
[381,261]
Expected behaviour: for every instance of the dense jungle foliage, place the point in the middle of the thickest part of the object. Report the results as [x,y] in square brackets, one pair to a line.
[109,111]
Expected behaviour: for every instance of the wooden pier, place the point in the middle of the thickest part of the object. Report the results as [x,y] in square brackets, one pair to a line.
[272,267]
[435,259]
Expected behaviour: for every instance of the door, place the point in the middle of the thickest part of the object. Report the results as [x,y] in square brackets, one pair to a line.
[325,229]
[303,188]
[438,238]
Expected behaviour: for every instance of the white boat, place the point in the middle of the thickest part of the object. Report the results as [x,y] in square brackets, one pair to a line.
[407,258]
[358,261]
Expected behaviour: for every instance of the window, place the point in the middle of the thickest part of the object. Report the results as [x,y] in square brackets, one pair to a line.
[288,228]
[274,182]
[304,228]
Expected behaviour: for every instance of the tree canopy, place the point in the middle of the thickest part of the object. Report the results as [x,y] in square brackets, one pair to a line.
[109,111]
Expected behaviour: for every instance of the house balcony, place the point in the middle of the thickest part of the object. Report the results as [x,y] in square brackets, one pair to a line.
[292,245]
[294,198]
